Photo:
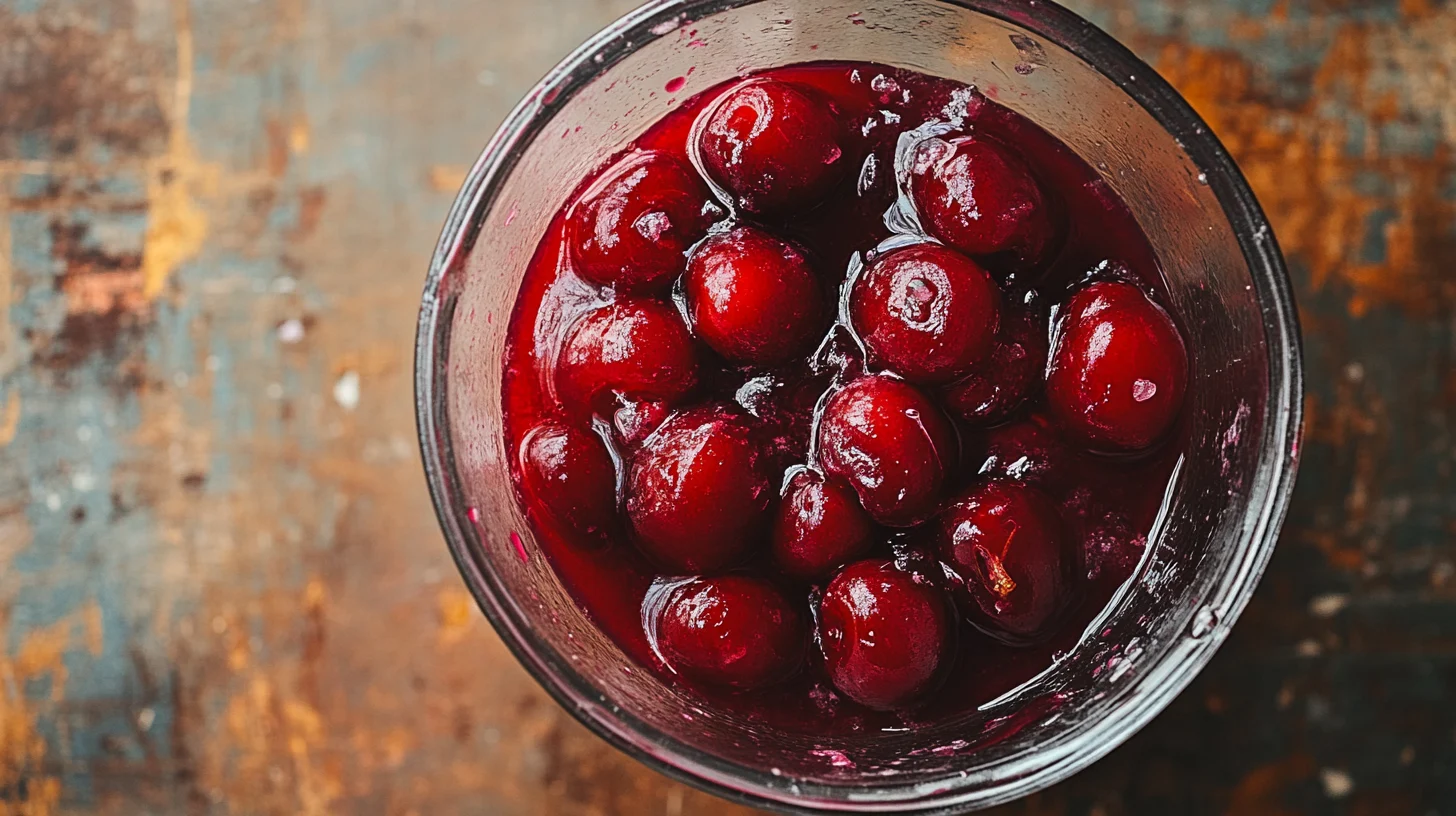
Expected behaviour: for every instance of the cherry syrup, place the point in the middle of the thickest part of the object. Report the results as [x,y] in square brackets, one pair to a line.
[845,397]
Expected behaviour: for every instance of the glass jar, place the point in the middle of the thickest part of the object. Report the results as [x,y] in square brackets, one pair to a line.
[1223,508]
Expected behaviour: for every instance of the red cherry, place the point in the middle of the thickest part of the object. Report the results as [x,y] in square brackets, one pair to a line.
[819,527]
[1012,558]
[753,298]
[633,228]
[635,349]
[773,146]
[886,637]
[635,421]
[980,198]
[568,473]
[1118,368]
[927,312]
[998,386]
[1029,451]
[893,446]
[697,492]
[732,630]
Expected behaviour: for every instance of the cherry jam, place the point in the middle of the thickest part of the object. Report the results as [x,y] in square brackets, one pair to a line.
[844,397]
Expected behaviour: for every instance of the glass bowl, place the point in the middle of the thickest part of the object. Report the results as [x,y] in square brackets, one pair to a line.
[1224,506]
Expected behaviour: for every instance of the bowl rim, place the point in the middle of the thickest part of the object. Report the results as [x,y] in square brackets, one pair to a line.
[1160,684]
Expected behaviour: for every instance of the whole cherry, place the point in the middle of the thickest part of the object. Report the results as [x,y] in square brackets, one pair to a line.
[927,312]
[892,444]
[774,146]
[1007,550]
[632,349]
[887,638]
[819,527]
[633,228]
[698,493]
[980,198]
[568,474]
[731,630]
[753,298]
[1118,368]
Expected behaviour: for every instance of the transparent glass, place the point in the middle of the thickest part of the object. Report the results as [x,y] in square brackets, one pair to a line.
[1225,505]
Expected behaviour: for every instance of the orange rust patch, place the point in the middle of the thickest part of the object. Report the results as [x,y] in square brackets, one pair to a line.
[23,749]
[1261,791]
[447,178]
[1298,162]
[456,610]
[310,211]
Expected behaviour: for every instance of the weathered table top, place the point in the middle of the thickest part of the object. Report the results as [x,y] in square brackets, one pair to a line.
[223,590]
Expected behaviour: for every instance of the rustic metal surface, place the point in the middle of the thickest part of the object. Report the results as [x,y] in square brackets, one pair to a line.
[222,589]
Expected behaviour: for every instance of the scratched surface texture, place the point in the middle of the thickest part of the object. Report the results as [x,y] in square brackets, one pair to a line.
[222,589]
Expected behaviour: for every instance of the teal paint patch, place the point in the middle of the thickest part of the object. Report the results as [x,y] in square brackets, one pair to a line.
[1374,250]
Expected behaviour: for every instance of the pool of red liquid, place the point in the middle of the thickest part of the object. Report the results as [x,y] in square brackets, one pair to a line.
[1112,502]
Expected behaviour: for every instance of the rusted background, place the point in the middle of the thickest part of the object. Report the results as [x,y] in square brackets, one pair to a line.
[222,589]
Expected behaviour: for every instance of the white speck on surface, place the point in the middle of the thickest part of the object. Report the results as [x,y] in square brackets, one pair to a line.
[1203,179]
[487,78]
[1355,372]
[284,285]
[85,433]
[346,390]
[213,362]
[145,718]
[180,379]
[274,391]
[1307,648]
[1337,784]
[83,481]
[53,502]
[290,331]
[1328,605]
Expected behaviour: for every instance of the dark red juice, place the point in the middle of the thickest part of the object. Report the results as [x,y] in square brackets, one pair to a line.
[777,382]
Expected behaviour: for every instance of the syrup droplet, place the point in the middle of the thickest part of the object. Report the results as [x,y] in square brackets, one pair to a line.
[520,547]
[675,84]
[1144,390]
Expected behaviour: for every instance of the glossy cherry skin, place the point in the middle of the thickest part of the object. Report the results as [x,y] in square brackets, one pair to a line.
[633,228]
[568,473]
[887,637]
[993,390]
[698,492]
[819,527]
[633,349]
[1029,451]
[980,198]
[634,421]
[1007,550]
[927,312]
[1118,368]
[891,444]
[732,630]
[775,147]
[753,298]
